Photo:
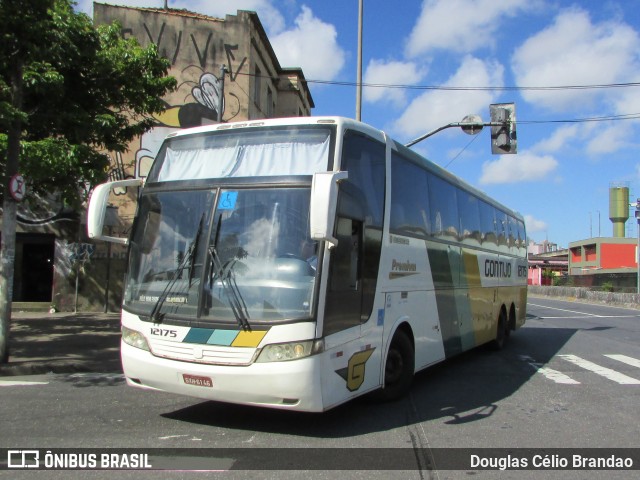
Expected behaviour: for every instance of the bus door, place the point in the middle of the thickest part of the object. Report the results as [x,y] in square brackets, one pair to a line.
[344,291]
[352,339]
[352,333]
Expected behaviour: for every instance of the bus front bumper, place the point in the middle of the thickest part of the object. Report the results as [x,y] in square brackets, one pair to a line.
[292,385]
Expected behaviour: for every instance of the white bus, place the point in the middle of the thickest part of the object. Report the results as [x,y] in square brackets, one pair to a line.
[299,263]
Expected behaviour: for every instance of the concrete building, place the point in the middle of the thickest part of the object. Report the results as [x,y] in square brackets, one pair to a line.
[595,261]
[254,86]
[546,267]
[544,247]
[56,266]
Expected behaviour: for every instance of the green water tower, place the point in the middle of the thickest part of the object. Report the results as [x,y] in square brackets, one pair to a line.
[618,209]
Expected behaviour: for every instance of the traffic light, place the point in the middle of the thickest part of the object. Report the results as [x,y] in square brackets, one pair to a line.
[503,128]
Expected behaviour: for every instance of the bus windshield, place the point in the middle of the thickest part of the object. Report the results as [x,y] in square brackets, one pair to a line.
[246,259]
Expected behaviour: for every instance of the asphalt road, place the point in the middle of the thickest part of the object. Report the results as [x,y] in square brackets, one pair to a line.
[569,379]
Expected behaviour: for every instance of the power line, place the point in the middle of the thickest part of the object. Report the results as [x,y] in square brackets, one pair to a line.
[482,89]
[461,151]
[605,118]
[470,88]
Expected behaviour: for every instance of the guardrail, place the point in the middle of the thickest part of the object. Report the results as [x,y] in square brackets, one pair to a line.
[580,293]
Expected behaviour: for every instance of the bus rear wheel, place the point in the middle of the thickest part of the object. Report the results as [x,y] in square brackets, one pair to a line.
[502,333]
[398,369]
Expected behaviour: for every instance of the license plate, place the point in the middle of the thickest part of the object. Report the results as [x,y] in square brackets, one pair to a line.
[197,380]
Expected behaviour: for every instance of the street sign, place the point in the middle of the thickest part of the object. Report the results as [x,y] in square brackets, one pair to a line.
[17,187]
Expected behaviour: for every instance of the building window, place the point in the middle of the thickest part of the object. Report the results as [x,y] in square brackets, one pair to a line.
[270,105]
[257,86]
[576,254]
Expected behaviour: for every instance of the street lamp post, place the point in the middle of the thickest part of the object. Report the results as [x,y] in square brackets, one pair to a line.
[638,248]
[359,68]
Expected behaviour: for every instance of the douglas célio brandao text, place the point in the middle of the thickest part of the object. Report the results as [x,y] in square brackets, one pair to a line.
[550,461]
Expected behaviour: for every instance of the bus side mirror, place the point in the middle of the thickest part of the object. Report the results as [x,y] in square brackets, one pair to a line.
[98,208]
[324,202]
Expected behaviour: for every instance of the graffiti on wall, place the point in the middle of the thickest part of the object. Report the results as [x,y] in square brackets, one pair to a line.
[198,52]
[39,210]
[203,109]
[197,99]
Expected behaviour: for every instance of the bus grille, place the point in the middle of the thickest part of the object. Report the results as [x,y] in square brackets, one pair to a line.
[198,353]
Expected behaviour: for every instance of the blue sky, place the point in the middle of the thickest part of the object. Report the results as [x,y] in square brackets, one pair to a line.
[559,179]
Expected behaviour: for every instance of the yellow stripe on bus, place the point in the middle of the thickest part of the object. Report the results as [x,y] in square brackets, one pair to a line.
[249,339]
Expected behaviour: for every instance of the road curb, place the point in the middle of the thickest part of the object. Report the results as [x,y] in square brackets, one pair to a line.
[27,368]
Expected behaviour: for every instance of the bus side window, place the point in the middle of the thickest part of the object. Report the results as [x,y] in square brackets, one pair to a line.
[488,225]
[345,265]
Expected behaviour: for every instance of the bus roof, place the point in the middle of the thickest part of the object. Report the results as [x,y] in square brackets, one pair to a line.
[344,123]
[276,122]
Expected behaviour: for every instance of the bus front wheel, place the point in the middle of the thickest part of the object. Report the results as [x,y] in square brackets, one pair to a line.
[399,368]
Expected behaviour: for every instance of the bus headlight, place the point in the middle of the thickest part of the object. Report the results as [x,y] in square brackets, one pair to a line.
[134,338]
[283,352]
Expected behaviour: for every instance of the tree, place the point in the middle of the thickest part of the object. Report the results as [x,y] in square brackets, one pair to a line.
[69,92]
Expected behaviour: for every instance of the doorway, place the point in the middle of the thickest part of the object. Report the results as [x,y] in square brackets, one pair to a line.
[33,278]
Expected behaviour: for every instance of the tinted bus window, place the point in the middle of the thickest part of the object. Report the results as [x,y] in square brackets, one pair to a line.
[364,159]
[469,208]
[502,224]
[444,208]
[409,198]
[514,242]
[522,237]
[488,225]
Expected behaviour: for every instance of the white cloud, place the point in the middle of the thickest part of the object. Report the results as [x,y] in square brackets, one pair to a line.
[460,25]
[534,225]
[558,139]
[311,45]
[610,139]
[270,17]
[390,73]
[628,100]
[523,167]
[574,51]
[436,108]
[593,138]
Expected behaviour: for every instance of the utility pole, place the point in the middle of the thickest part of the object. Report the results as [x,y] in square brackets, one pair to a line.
[359,72]
[637,214]
[9,213]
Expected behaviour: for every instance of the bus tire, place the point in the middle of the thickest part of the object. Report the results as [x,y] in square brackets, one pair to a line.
[502,333]
[399,368]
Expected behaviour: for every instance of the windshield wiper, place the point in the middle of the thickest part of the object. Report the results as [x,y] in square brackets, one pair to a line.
[189,258]
[194,249]
[224,272]
[227,278]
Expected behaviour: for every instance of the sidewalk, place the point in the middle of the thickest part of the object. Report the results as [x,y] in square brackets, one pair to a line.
[63,343]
